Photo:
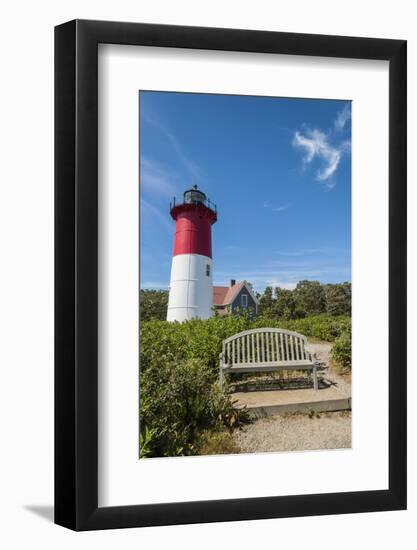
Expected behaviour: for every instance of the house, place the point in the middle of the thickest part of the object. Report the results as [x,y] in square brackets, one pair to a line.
[239,295]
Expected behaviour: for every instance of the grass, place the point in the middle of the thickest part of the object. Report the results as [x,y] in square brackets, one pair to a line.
[217,443]
[344,372]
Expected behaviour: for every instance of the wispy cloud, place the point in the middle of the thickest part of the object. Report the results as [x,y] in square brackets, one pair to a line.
[275,283]
[192,168]
[316,146]
[260,282]
[151,215]
[294,253]
[342,118]
[154,178]
[194,171]
[154,285]
[305,251]
[284,276]
[279,208]
[324,148]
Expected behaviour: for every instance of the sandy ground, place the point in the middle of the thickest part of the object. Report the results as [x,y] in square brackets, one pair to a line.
[322,350]
[296,432]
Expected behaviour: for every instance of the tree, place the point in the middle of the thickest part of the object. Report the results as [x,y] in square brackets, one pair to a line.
[310,297]
[284,304]
[338,298]
[266,300]
[153,304]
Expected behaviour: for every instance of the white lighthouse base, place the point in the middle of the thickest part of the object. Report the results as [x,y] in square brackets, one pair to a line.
[191,288]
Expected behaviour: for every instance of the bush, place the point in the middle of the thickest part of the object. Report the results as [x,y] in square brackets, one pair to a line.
[342,351]
[202,339]
[179,365]
[153,304]
[195,339]
[217,443]
[177,402]
[323,327]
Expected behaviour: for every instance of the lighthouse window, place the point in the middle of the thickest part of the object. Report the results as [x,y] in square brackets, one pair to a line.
[208,270]
[244,300]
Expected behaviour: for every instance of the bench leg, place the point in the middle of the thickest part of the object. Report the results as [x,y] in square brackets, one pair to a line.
[221,377]
[315,381]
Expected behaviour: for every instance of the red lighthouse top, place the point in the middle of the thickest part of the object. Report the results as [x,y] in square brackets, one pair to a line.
[194,217]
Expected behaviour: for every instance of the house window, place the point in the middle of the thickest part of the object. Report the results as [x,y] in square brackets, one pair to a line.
[208,270]
[244,299]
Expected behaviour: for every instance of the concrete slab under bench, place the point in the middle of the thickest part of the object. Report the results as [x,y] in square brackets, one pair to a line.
[272,402]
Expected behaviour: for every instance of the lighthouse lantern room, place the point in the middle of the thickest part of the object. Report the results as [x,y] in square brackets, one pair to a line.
[191,286]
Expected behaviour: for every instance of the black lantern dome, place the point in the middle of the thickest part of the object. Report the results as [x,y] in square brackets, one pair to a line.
[194,196]
[193,199]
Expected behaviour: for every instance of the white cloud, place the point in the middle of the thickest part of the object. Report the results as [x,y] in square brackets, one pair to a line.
[281,284]
[155,179]
[193,170]
[306,251]
[316,146]
[190,166]
[322,147]
[151,215]
[154,285]
[259,283]
[342,117]
[276,208]
[295,253]
[284,277]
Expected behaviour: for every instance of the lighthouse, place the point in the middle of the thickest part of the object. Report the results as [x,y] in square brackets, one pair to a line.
[191,286]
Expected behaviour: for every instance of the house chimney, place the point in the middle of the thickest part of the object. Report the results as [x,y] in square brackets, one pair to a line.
[232,282]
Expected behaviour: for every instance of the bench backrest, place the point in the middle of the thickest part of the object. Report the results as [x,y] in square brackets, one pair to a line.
[265,345]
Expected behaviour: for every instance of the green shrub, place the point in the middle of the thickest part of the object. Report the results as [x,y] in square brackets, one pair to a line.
[179,365]
[202,339]
[323,327]
[217,443]
[145,442]
[177,402]
[342,351]
[153,304]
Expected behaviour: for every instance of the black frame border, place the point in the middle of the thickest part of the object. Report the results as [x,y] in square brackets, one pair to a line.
[76,270]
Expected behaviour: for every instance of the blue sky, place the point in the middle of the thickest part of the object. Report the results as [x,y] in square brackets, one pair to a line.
[279,170]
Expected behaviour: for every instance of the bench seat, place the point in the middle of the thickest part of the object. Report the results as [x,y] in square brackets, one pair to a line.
[269,367]
[267,350]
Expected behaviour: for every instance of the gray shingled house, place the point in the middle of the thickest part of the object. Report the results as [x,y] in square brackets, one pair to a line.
[239,295]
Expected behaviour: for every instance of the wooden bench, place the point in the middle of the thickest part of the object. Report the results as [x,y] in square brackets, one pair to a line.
[267,350]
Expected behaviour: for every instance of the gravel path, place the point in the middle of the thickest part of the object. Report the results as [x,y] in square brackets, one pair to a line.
[322,350]
[296,432]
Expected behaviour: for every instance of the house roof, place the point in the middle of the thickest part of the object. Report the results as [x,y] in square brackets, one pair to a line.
[219,294]
[224,295]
